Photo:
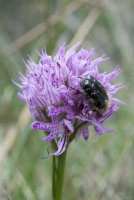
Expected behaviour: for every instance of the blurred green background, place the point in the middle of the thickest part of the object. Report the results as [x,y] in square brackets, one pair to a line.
[101,168]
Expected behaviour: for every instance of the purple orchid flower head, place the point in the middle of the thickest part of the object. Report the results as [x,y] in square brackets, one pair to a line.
[66,94]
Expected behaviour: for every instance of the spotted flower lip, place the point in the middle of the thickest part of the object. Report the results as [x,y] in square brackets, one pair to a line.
[56,99]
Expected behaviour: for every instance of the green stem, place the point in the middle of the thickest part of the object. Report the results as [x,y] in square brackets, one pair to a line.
[53,177]
[59,168]
[58,175]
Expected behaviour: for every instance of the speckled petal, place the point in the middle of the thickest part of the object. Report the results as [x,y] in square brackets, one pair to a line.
[62,143]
